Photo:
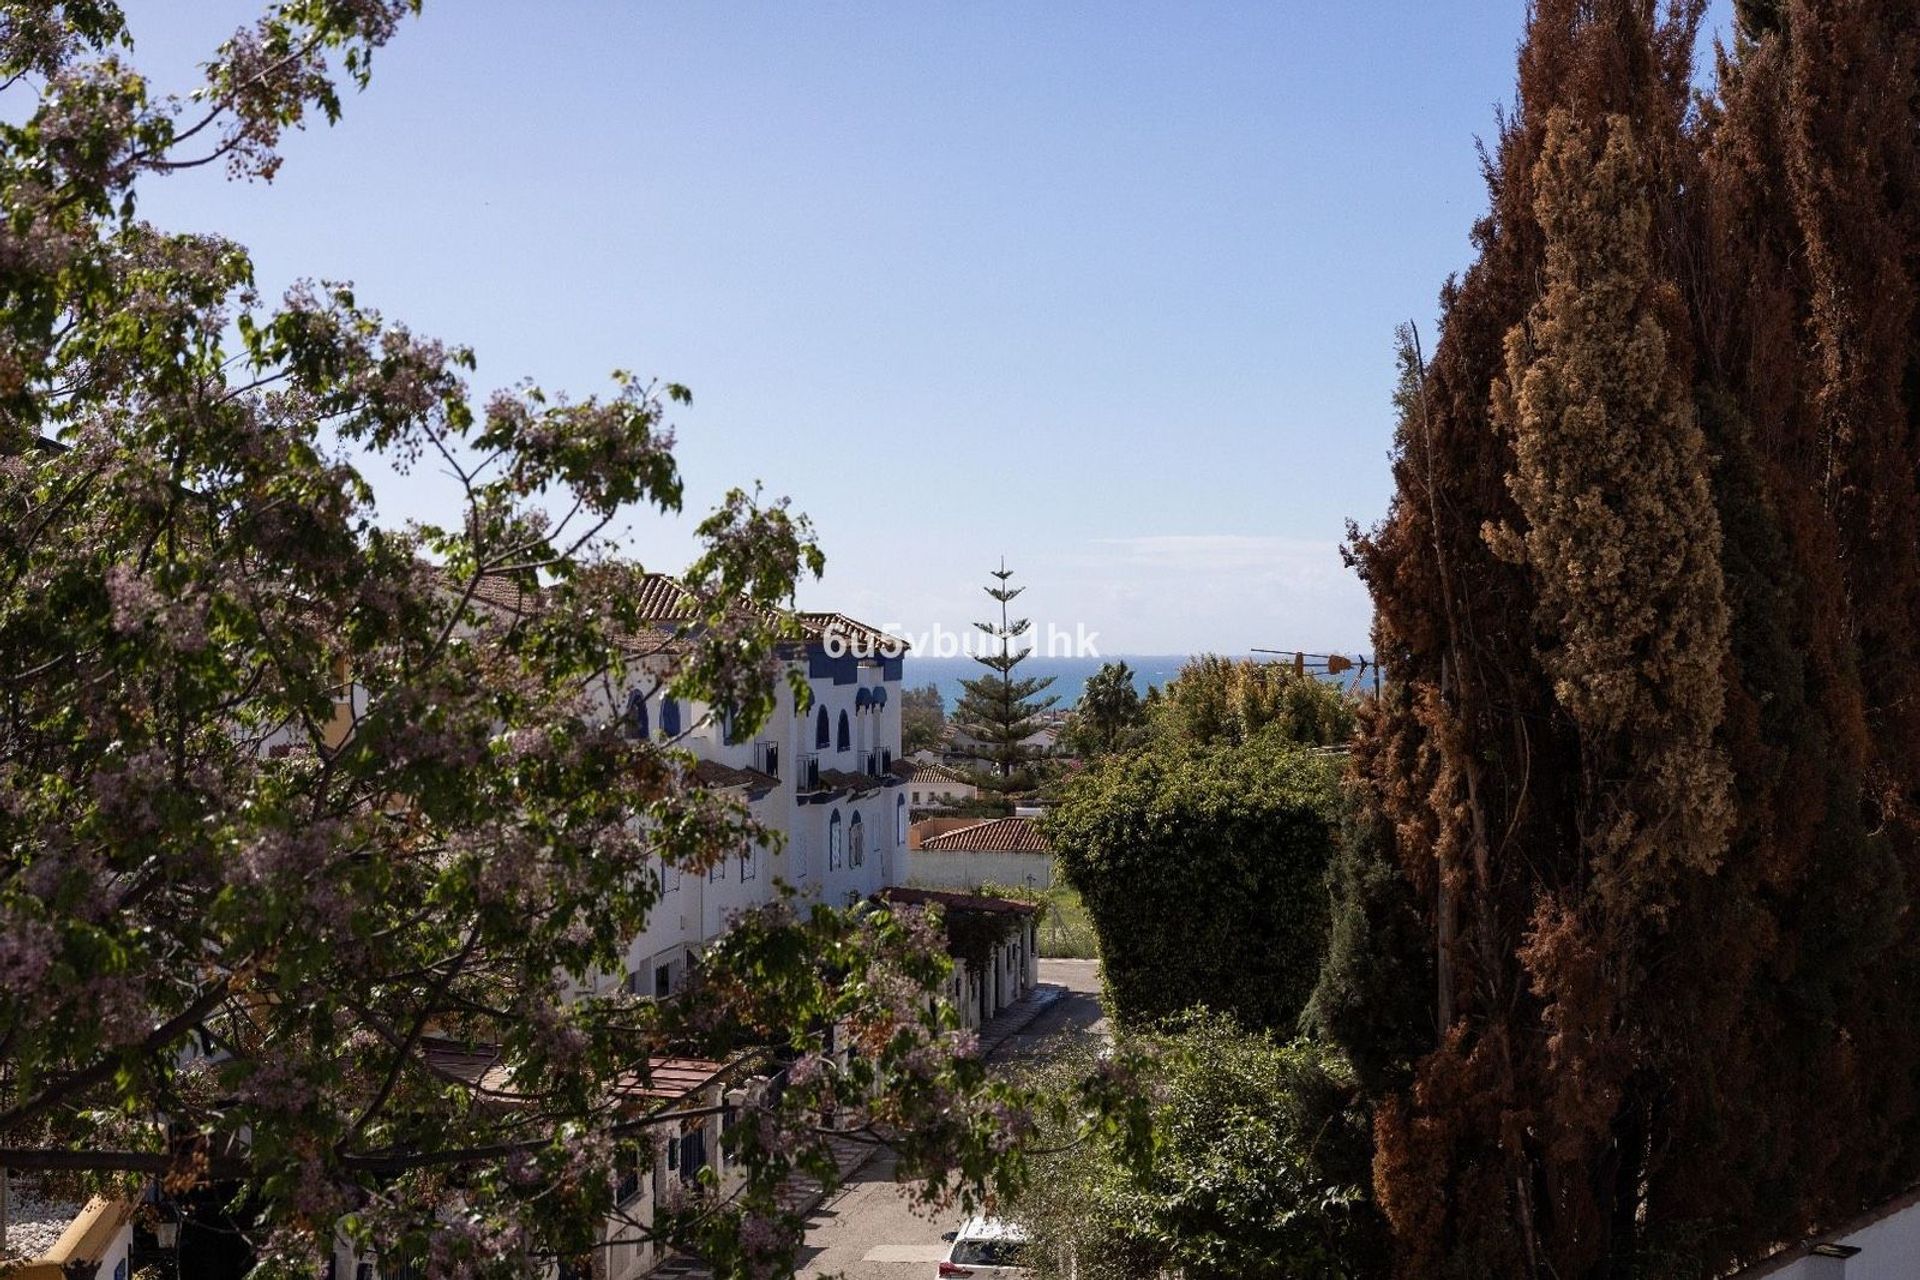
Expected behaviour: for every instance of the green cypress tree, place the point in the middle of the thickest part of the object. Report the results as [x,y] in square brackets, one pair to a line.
[999,711]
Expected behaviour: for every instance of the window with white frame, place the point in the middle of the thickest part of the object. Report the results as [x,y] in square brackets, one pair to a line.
[856,842]
[749,864]
[669,876]
[833,842]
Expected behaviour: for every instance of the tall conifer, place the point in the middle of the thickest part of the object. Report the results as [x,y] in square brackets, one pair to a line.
[1506,756]
[999,711]
[1652,773]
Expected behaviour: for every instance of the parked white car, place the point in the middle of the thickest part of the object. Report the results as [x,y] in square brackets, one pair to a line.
[987,1249]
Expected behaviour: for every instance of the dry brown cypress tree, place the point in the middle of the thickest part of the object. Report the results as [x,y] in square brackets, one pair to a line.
[1806,314]
[1509,1153]
[1621,540]
[1616,525]
[1653,775]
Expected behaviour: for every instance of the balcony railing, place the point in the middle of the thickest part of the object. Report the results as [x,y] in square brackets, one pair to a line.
[806,777]
[766,758]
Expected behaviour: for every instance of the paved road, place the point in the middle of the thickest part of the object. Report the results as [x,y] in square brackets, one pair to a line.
[871,1230]
[1077,1013]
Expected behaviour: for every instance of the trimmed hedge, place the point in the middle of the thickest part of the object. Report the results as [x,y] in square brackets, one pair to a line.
[1204,871]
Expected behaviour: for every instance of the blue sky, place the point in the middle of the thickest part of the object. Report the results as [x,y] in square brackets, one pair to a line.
[1106,288]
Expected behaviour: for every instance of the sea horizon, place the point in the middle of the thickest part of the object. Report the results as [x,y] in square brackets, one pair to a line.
[1069,675]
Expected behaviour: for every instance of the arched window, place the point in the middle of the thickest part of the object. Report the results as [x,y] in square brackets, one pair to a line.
[900,821]
[846,733]
[670,718]
[863,700]
[822,731]
[636,715]
[833,841]
[856,843]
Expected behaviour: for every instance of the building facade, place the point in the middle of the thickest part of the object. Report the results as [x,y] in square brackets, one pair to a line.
[822,779]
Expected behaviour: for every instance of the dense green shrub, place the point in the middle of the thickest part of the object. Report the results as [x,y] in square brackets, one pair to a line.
[1204,873]
[1218,701]
[1260,1170]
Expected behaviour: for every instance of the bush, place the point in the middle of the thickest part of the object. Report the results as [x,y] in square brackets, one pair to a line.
[1204,873]
[1260,1172]
[1217,701]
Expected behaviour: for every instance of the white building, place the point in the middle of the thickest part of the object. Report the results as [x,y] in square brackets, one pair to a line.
[1882,1244]
[931,785]
[983,985]
[823,779]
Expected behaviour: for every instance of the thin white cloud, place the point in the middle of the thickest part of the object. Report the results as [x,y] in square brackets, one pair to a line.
[1228,592]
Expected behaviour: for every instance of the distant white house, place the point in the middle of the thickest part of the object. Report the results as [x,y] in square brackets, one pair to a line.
[933,786]
[958,746]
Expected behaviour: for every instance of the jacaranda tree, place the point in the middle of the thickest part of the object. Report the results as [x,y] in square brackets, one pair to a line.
[227,927]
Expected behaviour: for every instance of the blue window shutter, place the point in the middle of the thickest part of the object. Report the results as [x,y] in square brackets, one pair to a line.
[822,731]
[846,732]
[637,726]
[670,717]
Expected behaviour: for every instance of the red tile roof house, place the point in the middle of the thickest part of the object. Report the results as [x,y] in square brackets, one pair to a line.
[999,851]
[933,786]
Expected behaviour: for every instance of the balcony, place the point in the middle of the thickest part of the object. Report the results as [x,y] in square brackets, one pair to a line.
[806,777]
[766,758]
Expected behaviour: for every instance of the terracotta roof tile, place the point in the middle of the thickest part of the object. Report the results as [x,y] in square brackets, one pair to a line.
[666,603]
[714,774]
[868,641]
[662,599]
[667,1079]
[921,771]
[497,590]
[927,828]
[998,835]
[858,783]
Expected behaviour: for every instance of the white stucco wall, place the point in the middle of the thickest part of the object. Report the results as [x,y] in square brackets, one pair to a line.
[116,1262]
[935,793]
[1889,1250]
[932,869]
